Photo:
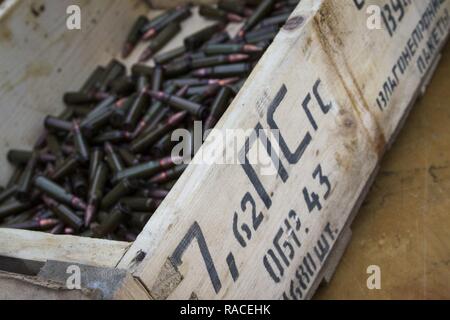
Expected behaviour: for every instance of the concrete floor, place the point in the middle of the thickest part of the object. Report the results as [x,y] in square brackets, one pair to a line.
[404,224]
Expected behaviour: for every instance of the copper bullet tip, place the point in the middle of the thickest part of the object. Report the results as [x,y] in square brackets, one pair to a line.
[158,178]
[252,48]
[182,91]
[177,117]
[76,125]
[234,17]
[248,12]
[49,202]
[57,229]
[78,203]
[149,34]
[127,49]
[156,94]
[128,135]
[200,72]
[227,81]
[140,127]
[100,95]
[119,104]
[48,222]
[69,231]
[236,57]
[90,210]
[147,54]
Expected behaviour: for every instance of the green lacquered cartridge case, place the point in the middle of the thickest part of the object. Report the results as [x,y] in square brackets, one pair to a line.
[211,12]
[197,39]
[225,48]
[80,142]
[168,56]
[26,180]
[160,41]
[97,156]
[66,167]
[146,140]
[12,208]
[120,190]
[169,175]
[113,158]
[178,103]
[111,222]
[218,108]
[225,71]
[140,204]
[64,214]
[55,124]
[260,13]
[134,36]
[58,193]
[145,170]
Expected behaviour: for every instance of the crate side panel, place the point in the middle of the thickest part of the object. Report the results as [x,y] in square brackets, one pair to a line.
[382,67]
[255,238]
[38,246]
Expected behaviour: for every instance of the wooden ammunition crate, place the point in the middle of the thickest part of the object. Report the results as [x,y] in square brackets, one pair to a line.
[337,90]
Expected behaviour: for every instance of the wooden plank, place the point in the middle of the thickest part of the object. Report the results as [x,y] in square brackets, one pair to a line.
[387,82]
[20,266]
[113,283]
[325,56]
[131,289]
[17,287]
[38,246]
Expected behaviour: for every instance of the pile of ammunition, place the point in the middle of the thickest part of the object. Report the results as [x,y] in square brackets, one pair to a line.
[103,166]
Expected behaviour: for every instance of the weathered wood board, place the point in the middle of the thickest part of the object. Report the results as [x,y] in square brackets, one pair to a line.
[18,287]
[322,83]
[39,246]
[113,284]
[403,225]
